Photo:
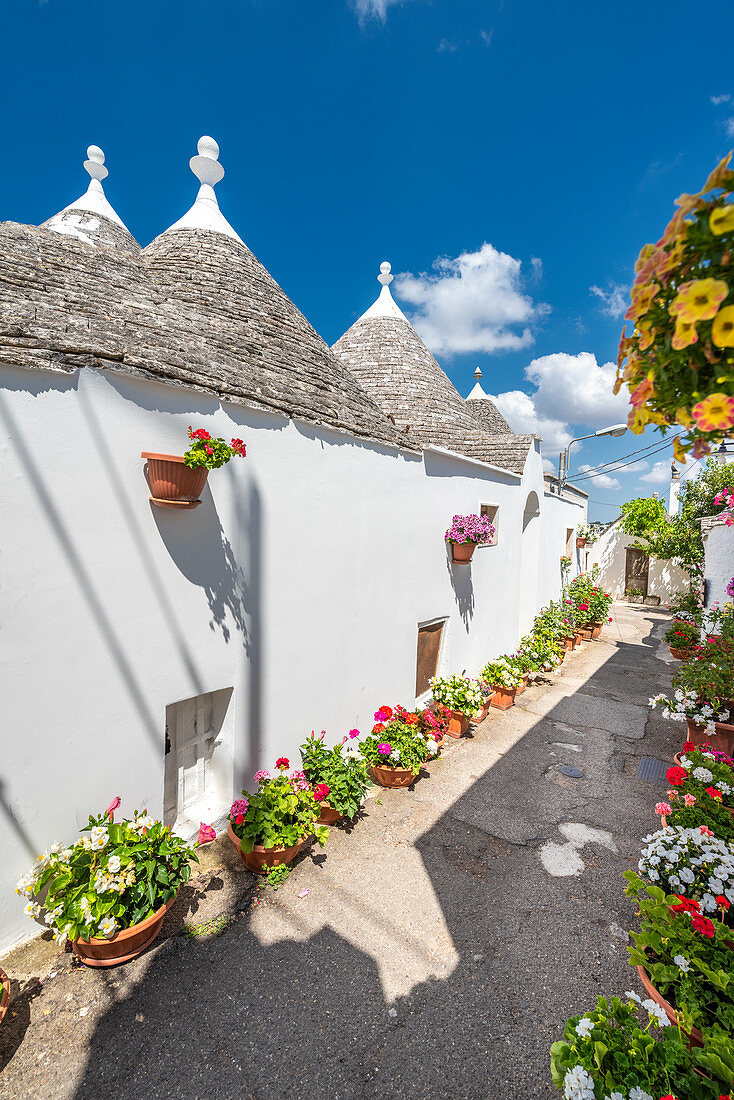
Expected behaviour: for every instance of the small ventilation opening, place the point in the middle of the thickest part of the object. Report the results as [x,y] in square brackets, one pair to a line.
[198,773]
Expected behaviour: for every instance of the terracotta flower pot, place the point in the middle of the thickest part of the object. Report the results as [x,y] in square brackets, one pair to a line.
[584,633]
[570,642]
[328,815]
[125,944]
[387,776]
[580,543]
[523,685]
[679,654]
[482,714]
[260,860]
[458,724]
[694,1034]
[4,993]
[173,484]
[462,551]
[503,698]
[723,739]
[596,629]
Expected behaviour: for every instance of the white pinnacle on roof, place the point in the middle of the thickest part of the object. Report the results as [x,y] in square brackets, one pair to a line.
[385,305]
[477,392]
[93,201]
[205,213]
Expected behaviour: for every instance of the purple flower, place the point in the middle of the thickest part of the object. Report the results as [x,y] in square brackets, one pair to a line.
[384,748]
[472,528]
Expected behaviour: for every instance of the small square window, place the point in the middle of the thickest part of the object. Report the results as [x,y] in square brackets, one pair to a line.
[429,649]
[570,542]
[491,511]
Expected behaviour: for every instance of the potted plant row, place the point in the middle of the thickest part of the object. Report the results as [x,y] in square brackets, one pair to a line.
[177,481]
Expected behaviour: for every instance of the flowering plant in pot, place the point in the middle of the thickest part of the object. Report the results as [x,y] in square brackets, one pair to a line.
[109,891]
[682,636]
[687,958]
[607,1054]
[700,794]
[504,678]
[585,533]
[692,863]
[343,772]
[397,746]
[467,532]
[460,695]
[180,479]
[269,826]
[677,362]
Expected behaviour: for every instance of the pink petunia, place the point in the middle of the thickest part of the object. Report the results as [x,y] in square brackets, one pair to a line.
[206,834]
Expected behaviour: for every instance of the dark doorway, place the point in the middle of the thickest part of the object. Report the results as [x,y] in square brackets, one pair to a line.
[636,569]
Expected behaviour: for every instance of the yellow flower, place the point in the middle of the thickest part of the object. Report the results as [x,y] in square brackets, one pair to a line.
[642,297]
[672,259]
[641,393]
[715,413]
[699,299]
[688,203]
[646,335]
[722,330]
[679,451]
[685,334]
[646,252]
[720,176]
[638,418]
[721,219]
[683,417]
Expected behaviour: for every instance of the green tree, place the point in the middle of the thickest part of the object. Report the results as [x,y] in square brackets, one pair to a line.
[679,536]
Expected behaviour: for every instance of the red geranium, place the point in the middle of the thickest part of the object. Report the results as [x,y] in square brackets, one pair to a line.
[378,727]
[722,902]
[411,719]
[685,905]
[688,746]
[704,829]
[282,762]
[676,776]
[321,792]
[702,925]
[716,795]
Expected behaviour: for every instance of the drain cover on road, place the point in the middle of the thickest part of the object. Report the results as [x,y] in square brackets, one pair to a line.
[651,770]
[572,773]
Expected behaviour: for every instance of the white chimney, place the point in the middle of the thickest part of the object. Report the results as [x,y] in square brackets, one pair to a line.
[674,489]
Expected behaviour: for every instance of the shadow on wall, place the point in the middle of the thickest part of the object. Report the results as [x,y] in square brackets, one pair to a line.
[462,584]
[300,1010]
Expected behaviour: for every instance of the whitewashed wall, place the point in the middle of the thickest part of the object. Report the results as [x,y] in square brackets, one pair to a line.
[299,582]
[665,578]
[718,542]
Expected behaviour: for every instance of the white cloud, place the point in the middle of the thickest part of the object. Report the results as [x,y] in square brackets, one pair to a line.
[613,300]
[487,36]
[471,303]
[549,467]
[447,46]
[717,100]
[376,8]
[660,473]
[729,123]
[521,413]
[577,389]
[601,481]
[635,467]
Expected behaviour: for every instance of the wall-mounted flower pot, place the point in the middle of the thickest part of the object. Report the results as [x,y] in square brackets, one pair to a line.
[125,944]
[173,484]
[503,698]
[260,860]
[387,776]
[458,724]
[461,552]
[580,543]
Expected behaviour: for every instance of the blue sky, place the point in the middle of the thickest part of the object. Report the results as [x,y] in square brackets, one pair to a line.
[505,156]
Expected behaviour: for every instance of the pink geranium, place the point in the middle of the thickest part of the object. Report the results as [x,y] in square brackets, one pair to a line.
[261,776]
[384,749]
[353,734]
[239,807]
[663,808]
[689,799]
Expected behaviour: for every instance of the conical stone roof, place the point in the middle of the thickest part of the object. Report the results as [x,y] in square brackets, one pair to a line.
[90,218]
[390,361]
[481,405]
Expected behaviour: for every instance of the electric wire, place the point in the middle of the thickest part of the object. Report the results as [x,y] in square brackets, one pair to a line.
[617,463]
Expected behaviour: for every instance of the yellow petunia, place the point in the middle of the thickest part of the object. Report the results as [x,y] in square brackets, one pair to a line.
[646,335]
[715,413]
[720,177]
[683,417]
[721,219]
[688,203]
[672,259]
[679,451]
[722,330]
[642,297]
[685,334]
[699,299]
[646,252]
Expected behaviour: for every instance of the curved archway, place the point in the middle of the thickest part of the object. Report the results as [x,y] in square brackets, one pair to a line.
[529,562]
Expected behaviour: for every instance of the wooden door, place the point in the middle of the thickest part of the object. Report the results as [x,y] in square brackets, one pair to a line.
[636,569]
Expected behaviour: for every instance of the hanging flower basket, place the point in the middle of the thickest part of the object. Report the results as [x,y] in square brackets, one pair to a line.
[580,543]
[177,481]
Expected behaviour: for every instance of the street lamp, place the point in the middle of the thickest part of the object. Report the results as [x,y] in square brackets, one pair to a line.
[722,453]
[615,430]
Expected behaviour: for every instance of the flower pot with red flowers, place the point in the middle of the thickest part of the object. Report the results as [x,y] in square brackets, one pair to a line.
[337,774]
[682,636]
[701,793]
[466,533]
[269,827]
[109,891]
[462,696]
[177,481]
[397,747]
[680,860]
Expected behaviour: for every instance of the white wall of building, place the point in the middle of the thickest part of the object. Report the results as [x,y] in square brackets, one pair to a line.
[665,578]
[298,583]
[718,543]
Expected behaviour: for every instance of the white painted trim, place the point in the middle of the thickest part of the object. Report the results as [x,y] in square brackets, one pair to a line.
[472,461]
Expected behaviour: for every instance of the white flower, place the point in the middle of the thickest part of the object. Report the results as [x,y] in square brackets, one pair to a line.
[108,926]
[578,1084]
[23,886]
[84,905]
[99,837]
[682,963]
[639,1094]
[614,1096]
[633,996]
[655,1010]
[584,1027]
[395,754]
[687,874]
[32,909]
[723,787]
[113,864]
[703,775]
[66,855]
[708,903]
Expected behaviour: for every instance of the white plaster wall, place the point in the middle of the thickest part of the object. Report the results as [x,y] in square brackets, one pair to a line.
[718,542]
[665,578]
[299,582]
